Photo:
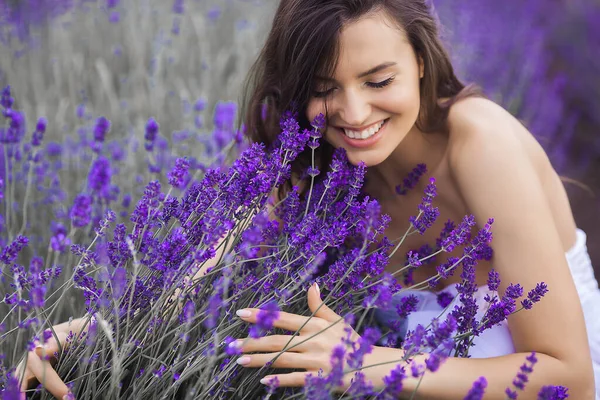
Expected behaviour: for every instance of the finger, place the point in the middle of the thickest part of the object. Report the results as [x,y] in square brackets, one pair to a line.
[318,307]
[293,379]
[287,321]
[272,343]
[284,360]
[27,377]
[46,375]
[51,346]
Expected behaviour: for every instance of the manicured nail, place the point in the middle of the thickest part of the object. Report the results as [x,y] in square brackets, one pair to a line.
[243,360]
[236,344]
[243,313]
[317,289]
[266,380]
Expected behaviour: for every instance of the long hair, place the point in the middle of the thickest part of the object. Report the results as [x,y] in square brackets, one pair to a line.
[304,41]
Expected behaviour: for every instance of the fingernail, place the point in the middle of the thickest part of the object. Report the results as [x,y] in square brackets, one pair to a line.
[243,313]
[243,360]
[235,344]
[317,289]
[265,380]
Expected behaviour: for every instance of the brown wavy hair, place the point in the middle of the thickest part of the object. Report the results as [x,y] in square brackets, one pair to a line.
[303,42]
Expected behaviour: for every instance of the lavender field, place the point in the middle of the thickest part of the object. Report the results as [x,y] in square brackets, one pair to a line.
[114,113]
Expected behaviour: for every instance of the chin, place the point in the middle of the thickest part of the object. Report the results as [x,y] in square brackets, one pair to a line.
[370,158]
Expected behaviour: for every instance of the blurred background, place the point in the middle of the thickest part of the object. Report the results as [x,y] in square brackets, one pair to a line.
[73,61]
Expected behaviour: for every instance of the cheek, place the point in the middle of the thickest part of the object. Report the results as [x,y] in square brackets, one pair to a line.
[314,108]
[406,101]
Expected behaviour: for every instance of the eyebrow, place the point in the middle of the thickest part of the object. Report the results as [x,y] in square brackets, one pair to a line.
[371,71]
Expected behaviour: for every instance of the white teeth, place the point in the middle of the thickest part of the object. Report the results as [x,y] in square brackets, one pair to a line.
[367,133]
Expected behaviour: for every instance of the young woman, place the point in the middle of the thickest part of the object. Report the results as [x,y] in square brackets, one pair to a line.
[377,70]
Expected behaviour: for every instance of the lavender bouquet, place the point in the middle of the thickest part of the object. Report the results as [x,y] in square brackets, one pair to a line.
[157,328]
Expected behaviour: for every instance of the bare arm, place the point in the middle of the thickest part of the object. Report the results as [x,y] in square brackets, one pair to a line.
[496,178]
[455,377]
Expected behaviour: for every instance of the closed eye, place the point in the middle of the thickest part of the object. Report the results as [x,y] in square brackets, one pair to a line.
[376,85]
[379,85]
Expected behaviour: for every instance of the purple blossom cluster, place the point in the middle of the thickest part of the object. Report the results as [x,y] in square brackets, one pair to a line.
[139,274]
[137,267]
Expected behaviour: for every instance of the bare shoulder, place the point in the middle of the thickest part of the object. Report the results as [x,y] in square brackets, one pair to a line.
[482,129]
[476,118]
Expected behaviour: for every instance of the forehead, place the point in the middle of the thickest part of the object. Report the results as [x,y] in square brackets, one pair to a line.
[368,41]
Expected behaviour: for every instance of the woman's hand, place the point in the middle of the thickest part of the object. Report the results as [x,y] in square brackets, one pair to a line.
[38,364]
[313,354]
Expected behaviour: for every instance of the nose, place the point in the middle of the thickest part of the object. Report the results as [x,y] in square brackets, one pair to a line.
[354,109]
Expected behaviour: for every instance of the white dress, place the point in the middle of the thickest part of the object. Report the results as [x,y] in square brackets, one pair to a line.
[497,341]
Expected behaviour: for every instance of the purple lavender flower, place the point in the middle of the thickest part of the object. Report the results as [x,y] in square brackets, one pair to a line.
[253,236]
[59,241]
[81,212]
[265,318]
[119,282]
[101,129]
[411,180]
[553,393]
[319,123]
[200,104]
[316,387]
[11,252]
[187,314]
[444,299]
[80,111]
[428,214]
[114,17]
[214,13]
[272,385]
[493,280]
[12,390]
[360,386]
[522,376]
[365,346]
[6,101]
[407,305]
[477,390]
[100,176]
[16,127]
[534,295]
[152,128]
[394,383]
[177,177]
[38,134]
[336,375]
[53,149]
[178,7]
[460,235]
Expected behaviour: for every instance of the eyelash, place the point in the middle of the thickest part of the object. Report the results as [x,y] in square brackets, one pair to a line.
[374,85]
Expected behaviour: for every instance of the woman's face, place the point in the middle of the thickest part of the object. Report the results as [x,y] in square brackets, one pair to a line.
[373,96]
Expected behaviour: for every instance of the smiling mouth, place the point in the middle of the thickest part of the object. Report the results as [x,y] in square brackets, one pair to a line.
[366,133]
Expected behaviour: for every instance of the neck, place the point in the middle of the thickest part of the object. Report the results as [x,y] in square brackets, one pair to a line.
[416,148]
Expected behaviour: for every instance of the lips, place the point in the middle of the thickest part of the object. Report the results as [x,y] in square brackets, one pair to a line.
[369,141]
[364,133]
